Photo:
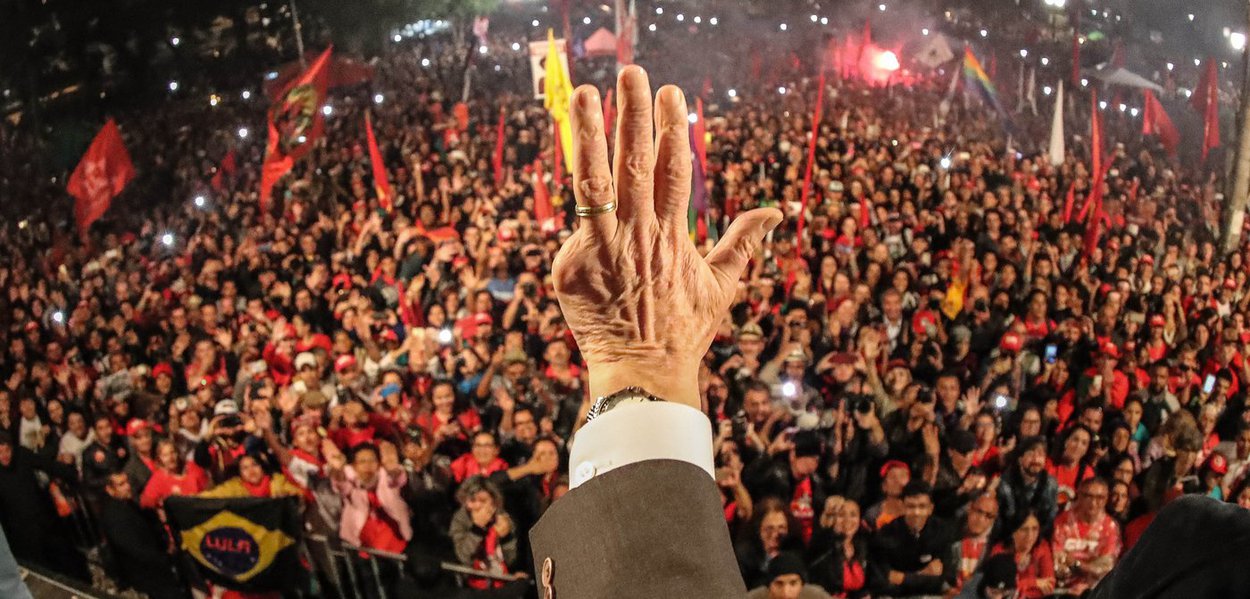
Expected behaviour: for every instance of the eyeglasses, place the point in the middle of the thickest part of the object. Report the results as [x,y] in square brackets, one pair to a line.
[984,513]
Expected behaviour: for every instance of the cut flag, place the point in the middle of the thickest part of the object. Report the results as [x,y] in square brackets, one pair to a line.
[229,165]
[1155,122]
[542,197]
[975,78]
[697,212]
[1206,100]
[100,176]
[497,157]
[811,160]
[1057,150]
[381,185]
[295,123]
[559,92]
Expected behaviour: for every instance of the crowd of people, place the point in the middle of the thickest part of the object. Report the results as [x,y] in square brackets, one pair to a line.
[931,387]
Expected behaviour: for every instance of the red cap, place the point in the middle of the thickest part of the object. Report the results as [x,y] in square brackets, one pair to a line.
[482,319]
[459,261]
[163,368]
[892,464]
[341,281]
[388,335]
[1229,283]
[1110,350]
[921,319]
[135,426]
[1148,259]
[1011,342]
[1217,463]
[32,326]
[506,234]
[346,361]
[1158,320]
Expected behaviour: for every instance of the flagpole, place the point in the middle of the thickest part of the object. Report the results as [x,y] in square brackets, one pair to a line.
[299,34]
[1236,197]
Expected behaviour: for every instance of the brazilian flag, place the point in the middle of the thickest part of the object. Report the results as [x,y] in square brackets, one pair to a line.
[246,544]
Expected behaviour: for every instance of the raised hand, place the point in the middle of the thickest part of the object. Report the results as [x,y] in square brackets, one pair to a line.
[641,301]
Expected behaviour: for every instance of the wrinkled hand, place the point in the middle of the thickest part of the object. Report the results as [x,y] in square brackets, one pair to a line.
[641,301]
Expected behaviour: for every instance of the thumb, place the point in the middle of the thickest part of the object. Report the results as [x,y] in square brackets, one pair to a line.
[731,255]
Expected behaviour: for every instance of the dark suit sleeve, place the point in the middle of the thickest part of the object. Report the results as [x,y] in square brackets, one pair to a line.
[1196,548]
[649,529]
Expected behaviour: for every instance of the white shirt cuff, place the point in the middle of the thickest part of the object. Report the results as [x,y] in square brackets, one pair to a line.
[636,432]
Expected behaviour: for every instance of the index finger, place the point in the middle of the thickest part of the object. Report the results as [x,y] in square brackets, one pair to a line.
[592,178]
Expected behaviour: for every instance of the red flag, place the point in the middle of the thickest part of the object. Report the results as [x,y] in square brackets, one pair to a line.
[556,156]
[1155,122]
[228,167]
[381,185]
[461,112]
[542,198]
[1076,56]
[811,159]
[497,159]
[1068,204]
[100,176]
[1095,135]
[295,123]
[1206,99]
[864,41]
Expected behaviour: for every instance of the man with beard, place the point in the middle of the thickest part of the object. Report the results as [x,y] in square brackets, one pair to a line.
[102,457]
[1026,484]
[1158,402]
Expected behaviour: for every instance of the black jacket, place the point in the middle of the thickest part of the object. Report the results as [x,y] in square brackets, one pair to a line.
[138,549]
[1195,549]
[896,548]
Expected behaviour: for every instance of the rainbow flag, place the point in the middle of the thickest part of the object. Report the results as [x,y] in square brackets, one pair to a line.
[975,78]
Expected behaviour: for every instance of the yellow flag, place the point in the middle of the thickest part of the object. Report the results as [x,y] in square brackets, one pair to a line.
[559,91]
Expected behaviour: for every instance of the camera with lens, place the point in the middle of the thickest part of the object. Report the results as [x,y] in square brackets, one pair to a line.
[529,289]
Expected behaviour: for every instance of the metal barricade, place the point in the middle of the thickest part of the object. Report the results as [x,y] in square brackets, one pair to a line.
[364,573]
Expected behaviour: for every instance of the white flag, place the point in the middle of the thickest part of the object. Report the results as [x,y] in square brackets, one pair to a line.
[1056,129]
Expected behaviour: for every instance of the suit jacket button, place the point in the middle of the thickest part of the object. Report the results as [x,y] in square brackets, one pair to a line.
[548,590]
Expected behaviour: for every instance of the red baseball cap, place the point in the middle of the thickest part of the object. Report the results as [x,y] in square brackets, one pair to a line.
[1217,463]
[346,361]
[482,319]
[1011,342]
[1158,320]
[135,426]
[389,335]
[923,321]
[891,465]
[162,368]
[1110,350]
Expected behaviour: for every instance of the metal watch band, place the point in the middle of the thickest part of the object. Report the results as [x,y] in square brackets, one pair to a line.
[607,402]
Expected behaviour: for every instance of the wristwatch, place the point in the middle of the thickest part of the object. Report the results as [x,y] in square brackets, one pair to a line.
[624,396]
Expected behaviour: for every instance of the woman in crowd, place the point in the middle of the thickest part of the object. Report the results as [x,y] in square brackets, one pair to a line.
[1035,564]
[839,550]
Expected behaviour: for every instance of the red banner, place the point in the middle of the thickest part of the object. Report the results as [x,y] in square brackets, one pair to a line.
[100,176]
[497,158]
[542,198]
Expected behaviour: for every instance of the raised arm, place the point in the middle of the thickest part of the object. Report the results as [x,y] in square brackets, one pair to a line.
[643,305]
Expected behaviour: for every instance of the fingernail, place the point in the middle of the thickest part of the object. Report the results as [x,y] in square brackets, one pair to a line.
[588,98]
[772,222]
